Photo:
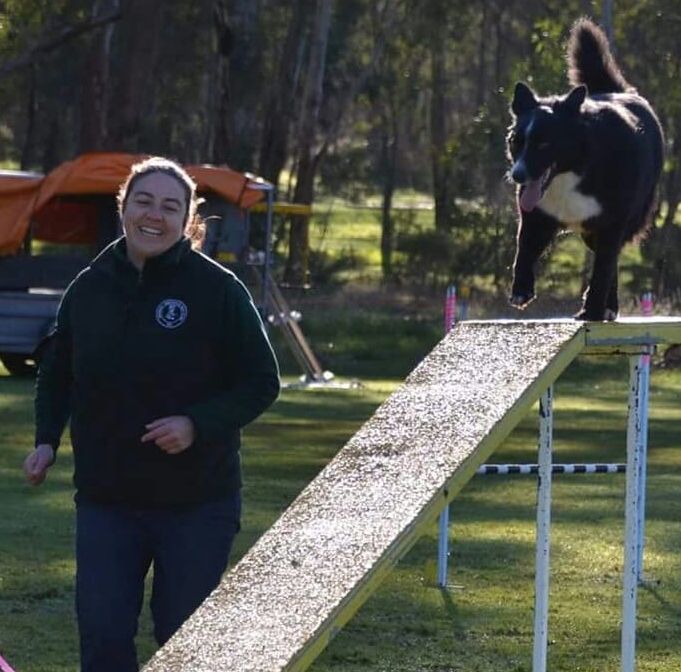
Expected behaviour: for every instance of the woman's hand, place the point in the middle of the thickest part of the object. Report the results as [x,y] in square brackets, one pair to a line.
[172,434]
[37,463]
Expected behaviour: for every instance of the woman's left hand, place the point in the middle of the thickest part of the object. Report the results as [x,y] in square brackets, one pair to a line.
[172,434]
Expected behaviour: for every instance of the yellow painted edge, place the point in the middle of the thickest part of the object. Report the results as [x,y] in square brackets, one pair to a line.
[280,208]
[320,640]
[633,332]
[610,350]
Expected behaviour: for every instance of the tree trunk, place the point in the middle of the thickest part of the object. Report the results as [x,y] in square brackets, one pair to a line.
[482,59]
[95,90]
[220,142]
[242,98]
[667,277]
[142,21]
[389,151]
[297,272]
[279,112]
[438,122]
[52,155]
[28,150]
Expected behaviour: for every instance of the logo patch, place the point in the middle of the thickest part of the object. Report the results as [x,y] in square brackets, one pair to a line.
[171,313]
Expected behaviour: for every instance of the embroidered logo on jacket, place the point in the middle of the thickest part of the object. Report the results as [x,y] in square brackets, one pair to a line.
[171,313]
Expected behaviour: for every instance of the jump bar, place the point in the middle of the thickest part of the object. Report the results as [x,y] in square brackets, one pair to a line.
[501,469]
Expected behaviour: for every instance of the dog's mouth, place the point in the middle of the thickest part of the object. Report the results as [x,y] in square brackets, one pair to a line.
[532,191]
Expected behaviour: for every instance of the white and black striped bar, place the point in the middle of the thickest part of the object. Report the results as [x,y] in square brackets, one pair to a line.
[504,469]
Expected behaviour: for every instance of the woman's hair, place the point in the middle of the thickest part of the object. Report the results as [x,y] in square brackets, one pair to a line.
[194,227]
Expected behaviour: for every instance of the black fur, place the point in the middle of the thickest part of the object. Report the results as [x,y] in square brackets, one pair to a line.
[589,160]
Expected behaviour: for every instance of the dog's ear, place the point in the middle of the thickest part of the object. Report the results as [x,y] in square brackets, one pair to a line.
[573,101]
[523,99]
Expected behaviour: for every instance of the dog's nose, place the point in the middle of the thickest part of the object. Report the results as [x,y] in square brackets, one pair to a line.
[518,173]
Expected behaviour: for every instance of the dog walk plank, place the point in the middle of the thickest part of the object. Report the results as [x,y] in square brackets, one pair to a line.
[311,571]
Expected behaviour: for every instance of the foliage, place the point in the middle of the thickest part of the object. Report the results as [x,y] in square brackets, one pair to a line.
[379,92]
[326,269]
[477,244]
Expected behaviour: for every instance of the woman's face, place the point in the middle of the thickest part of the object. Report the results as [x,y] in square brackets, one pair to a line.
[154,216]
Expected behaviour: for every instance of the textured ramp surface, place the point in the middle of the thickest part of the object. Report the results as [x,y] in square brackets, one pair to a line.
[307,575]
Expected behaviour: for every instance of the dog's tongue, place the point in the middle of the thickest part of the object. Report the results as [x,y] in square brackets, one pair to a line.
[531,195]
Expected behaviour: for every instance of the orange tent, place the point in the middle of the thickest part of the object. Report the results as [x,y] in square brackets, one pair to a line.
[48,201]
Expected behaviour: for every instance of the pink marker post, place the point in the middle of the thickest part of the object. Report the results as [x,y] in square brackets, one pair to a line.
[647,304]
[5,666]
[450,308]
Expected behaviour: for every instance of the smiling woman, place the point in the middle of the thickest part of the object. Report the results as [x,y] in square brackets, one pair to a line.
[157,205]
[159,358]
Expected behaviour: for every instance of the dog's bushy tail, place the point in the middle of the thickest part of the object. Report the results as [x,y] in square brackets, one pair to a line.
[590,61]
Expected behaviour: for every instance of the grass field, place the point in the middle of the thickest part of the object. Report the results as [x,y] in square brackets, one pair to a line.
[483,622]
[339,229]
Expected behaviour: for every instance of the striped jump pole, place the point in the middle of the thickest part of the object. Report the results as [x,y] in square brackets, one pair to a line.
[512,469]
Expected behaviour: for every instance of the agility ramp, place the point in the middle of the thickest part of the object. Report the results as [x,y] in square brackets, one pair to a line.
[307,575]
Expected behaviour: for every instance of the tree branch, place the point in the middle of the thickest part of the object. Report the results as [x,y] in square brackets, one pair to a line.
[49,41]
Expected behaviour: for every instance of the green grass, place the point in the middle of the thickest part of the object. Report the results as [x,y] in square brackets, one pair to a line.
[408,624]
[340,230]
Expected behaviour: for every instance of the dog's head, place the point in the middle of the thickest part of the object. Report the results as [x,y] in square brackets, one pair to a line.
[540,138]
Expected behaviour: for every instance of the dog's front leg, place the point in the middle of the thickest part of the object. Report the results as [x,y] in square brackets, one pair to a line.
[535,233]
[600,298]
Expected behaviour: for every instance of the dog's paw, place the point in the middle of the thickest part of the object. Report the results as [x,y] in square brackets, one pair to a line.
[521,301]
[606,315]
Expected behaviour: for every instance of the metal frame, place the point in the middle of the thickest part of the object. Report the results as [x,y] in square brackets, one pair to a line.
[260,184]
[634,540]
[279,607]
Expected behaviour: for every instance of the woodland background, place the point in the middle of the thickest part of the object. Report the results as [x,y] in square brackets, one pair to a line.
[351,99]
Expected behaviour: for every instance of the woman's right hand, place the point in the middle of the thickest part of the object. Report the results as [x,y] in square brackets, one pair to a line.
[37,463]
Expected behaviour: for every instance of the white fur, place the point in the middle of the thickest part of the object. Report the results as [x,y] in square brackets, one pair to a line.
[563,201]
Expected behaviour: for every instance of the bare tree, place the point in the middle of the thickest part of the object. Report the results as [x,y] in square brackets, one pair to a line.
[142,21]
[280,106]
[439,133]
[220,141]
[52,37]
[297,270]
[95,89]
[245,56]
[28,149]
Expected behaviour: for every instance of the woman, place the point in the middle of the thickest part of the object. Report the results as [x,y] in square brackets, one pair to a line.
[159,358]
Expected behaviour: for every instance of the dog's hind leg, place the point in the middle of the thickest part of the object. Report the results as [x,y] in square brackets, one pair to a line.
[612,305]
[535,233]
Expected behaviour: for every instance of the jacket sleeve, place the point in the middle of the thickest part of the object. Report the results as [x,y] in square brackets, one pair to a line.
[250,367]
[53,381]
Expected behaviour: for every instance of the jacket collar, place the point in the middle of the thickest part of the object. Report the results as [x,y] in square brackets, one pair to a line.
[113,260]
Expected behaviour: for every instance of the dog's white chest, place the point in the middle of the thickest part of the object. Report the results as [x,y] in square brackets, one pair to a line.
[563,201]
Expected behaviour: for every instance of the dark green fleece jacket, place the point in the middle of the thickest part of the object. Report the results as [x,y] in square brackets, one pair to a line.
[181,338]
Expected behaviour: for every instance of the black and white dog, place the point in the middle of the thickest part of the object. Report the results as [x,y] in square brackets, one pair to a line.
[587,161]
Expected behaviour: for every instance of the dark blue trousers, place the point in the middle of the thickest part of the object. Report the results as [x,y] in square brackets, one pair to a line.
[115,547]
